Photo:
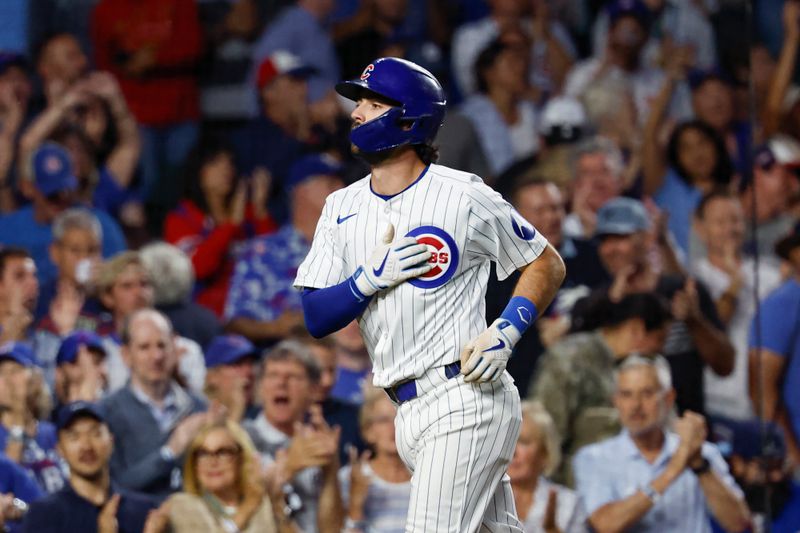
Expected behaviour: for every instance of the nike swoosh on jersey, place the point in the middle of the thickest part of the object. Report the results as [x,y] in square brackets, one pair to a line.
[523,232]
[379,270]
[499,346]
[341,219]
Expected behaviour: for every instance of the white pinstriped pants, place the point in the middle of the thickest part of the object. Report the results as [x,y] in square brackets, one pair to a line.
[458,438]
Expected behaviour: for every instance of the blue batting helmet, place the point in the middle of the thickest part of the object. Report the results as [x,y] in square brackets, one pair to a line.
[419,98]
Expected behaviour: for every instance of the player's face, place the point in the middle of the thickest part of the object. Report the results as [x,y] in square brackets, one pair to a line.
[19,280]
[542,206]
[86,445]
[642,404]
[530,454]
[286,392]
[380,432]
[368,109]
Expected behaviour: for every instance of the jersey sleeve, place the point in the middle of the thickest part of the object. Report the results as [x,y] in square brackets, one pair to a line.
[496,231]
[324,265]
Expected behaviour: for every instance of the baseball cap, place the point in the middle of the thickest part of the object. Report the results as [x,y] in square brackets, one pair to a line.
[788,243]
[52,169]
[68,351]
[780,149]
[697,77]
[745,439]
[312,165]
[622,216]
[11,59]
[67,414]
[282,63]
[18,352]
[628,8]
[228,349]
[563,120]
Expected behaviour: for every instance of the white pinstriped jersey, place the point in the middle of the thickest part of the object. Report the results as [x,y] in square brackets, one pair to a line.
[422,323]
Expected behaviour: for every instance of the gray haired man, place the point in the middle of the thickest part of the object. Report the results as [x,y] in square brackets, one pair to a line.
[651,478]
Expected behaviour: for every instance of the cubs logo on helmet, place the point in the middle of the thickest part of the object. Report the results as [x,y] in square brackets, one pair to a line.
[444,256]
[419,108]
[367,72]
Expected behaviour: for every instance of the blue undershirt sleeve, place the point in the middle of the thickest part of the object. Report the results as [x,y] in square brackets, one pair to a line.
[332,308]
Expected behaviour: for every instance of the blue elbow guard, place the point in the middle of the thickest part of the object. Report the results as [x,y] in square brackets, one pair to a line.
[332,308]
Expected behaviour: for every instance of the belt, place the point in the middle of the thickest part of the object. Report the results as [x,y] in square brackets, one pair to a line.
[407,390]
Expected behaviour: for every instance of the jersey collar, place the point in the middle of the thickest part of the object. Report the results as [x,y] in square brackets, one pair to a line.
[387,197]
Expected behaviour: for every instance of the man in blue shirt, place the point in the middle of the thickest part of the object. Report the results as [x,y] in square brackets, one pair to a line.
[649,478]
[262,304]
[51,191]
[775,351]
[89,498]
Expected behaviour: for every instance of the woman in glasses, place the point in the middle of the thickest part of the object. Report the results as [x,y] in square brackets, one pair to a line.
[223,491]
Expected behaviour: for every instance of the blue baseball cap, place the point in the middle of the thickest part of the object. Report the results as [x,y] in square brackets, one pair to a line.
[622,216]
[310,166]
[227,350]
[12,59]
[68,351]
[628,8]
[747,438]
[19,352]
[698,77]
[67,414]
[52,169]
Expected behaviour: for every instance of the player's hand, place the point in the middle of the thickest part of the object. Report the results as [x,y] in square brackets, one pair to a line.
[485,357]
[392,263]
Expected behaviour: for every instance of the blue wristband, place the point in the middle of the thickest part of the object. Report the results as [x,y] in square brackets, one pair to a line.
[521,312]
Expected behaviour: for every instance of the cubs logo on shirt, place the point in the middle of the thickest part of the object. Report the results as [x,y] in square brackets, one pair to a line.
[444,256]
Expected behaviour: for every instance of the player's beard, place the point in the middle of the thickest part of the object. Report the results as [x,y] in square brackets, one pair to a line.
[376,158]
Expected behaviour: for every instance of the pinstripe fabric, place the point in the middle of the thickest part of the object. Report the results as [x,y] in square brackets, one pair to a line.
[410,329]
[457,439]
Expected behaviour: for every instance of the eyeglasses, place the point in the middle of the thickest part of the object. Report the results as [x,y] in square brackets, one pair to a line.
[227,454]
[292,378]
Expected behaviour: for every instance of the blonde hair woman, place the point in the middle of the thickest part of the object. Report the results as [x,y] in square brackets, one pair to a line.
[376,487]
[223,490]
[542,505]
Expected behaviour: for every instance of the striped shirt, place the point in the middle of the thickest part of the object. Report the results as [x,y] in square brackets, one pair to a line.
[423,323]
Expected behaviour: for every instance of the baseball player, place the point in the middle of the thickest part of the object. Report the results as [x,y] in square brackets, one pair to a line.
[406,250]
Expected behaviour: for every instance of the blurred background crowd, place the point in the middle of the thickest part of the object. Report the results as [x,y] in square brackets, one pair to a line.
[163,165]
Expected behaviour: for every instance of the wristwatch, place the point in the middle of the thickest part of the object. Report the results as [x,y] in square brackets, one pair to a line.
[702,468]
[652,494]
[355,525]
[16,434]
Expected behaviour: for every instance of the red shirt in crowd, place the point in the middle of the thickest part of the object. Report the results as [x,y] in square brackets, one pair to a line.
[166,91]
[210,246]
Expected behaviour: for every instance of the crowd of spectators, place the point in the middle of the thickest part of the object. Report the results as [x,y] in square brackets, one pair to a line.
[163,165]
